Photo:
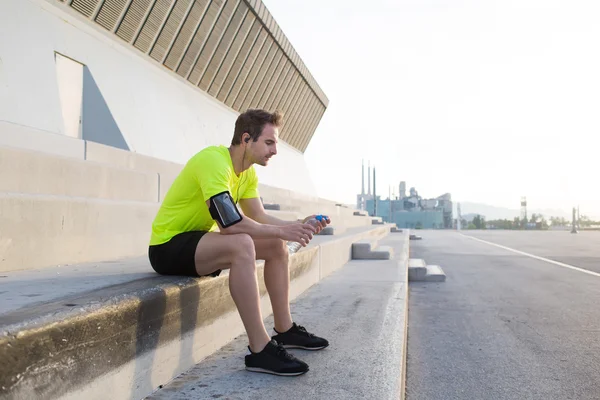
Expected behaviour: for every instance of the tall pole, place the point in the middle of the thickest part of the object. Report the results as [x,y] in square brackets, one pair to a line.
[362,192]
[369,178]
[390,198]
[574,223]
[374,194]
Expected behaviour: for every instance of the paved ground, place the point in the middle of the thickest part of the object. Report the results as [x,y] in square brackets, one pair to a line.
[580,250]
[504,325]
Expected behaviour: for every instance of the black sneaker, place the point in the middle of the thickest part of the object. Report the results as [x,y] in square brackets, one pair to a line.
[274,359]
[298,338]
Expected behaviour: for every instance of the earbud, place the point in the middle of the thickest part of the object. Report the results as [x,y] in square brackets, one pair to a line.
[247,139]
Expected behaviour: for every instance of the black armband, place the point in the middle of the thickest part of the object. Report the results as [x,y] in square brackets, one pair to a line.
[223,210]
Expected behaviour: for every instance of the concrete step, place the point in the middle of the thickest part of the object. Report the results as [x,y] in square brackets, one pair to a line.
[284,215]
[361,309]
[419,271]
[367,249]
[26,171]
[41,231]
[123,330]
[47,230]
[377,221]
[435,273]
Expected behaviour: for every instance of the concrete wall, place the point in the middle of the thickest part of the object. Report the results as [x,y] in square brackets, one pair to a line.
[156,111]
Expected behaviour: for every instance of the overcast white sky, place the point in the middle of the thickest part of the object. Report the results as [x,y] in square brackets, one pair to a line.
[487,100]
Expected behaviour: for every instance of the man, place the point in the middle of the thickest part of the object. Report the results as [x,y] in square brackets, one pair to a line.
[184,240]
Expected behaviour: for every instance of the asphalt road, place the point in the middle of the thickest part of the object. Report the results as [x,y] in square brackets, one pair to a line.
[505,325]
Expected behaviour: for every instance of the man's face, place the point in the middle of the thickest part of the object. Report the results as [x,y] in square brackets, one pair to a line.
[266,145]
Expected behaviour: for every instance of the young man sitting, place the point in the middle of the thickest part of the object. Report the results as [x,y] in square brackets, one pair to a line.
[184,239]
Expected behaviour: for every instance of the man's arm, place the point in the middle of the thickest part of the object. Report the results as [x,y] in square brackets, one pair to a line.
[253,208]
[298,232]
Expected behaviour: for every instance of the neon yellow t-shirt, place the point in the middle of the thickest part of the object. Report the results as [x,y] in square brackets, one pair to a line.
[184,207]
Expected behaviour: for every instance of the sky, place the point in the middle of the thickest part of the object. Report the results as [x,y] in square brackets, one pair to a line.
[487,100]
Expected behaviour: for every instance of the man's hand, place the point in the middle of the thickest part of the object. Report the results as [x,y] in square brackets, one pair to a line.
[301,233]
[323,223]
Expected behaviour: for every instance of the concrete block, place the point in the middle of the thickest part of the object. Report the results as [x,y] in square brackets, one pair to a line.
[416,263]
[34,172]
[337,250]
[417,269]
[272,206]
[40,230]
[435,274]
[366,250]
[25,137]
[328,230]
[417,274]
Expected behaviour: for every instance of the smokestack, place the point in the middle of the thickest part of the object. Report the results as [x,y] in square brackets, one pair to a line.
[374,194]
[362,192]
[369,177]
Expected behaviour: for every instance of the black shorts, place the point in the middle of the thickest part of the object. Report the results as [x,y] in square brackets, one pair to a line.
[176,257]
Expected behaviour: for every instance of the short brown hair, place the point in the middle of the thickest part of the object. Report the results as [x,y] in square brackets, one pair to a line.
[252,122]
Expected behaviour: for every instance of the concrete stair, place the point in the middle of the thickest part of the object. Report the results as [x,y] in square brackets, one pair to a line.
[121,329]
[63,209]
[79,298]
[419,271]
[367,249]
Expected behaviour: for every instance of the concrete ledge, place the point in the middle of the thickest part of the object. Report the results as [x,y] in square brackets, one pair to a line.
[26,137]
[40,231]
[122,341]
[126,159]
[24,171]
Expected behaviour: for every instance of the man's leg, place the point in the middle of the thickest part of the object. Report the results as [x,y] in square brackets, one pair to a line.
[236,253]
[277,279]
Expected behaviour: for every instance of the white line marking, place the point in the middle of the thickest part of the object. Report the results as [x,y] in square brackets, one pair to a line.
[585,271]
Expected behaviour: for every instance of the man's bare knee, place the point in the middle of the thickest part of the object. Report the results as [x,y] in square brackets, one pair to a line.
[242,249]
[277,250]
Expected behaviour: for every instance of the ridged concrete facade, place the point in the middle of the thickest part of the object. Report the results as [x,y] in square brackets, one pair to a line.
[231,49]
